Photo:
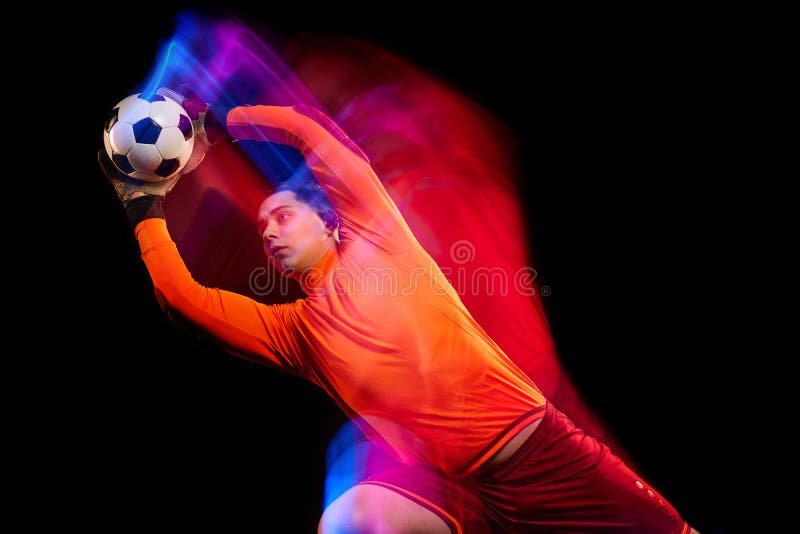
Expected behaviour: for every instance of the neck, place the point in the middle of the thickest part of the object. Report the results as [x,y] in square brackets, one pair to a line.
[313,276]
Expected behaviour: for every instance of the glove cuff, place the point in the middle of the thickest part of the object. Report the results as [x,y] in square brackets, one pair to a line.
[144,207]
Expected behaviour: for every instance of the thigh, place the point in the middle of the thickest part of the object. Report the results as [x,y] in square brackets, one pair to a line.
[563,481]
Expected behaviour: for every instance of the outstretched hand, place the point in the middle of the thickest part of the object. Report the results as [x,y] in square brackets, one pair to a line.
[128,188]
[198,113]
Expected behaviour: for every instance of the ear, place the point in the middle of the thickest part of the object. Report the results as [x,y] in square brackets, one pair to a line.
[331,219]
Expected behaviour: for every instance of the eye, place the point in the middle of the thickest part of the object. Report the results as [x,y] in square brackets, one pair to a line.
[282,217]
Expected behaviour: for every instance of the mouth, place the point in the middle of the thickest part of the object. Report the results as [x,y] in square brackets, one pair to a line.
[275,250]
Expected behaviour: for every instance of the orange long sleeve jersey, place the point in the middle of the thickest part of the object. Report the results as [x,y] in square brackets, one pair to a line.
[381,330]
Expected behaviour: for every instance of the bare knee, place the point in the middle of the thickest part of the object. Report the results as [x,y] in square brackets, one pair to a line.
[371,509]
[350,514]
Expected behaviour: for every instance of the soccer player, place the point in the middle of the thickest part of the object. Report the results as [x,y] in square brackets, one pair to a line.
[478,447]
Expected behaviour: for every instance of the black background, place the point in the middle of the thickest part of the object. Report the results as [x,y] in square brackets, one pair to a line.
[621,118]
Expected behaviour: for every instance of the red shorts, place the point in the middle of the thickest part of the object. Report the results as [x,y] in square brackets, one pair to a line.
[559,481]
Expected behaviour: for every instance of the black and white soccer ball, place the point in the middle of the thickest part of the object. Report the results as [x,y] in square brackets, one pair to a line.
[149,138]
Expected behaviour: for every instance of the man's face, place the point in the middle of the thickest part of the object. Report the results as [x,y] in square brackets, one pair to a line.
[295,237]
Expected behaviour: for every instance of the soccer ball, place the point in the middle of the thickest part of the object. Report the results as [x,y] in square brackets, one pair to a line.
[149,138]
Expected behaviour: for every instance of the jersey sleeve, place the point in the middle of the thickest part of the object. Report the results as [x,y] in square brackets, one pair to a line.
[341,168]
[244,327]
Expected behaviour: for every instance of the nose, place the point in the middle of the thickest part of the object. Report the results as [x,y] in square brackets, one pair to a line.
[270,232]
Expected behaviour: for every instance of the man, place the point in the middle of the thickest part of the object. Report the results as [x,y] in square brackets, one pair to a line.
[478,447]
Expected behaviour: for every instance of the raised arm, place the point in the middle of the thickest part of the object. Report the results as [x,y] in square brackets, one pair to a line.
[259,332]
[340,167]
[243,326]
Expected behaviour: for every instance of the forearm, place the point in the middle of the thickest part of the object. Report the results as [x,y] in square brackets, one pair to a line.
[340,170]
[339,166]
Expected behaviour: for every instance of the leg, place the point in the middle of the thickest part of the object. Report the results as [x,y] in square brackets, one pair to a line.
[563,481]
[369,508]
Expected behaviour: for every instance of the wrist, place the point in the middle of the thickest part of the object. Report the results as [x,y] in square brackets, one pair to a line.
[143,206]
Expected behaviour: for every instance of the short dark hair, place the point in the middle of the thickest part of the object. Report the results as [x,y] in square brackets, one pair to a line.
[311,193]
